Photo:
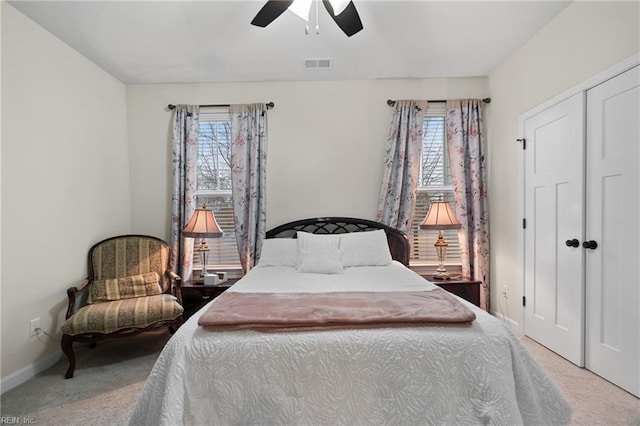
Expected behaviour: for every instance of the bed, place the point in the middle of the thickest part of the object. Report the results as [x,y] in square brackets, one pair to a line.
[471,371]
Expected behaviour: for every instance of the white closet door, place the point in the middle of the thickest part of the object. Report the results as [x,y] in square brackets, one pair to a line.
[613,217]
[554,211]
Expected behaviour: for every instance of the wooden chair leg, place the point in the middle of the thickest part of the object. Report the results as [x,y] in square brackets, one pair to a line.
[176,325]
[67,349]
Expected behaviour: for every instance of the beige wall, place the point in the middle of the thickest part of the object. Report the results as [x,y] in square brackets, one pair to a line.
[65,179]
[326,142]
[585,39]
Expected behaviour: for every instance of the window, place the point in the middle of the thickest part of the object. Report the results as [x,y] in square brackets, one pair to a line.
[434,181]
[213,188]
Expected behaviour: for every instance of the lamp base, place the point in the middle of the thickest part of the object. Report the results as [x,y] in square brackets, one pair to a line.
[441,252]
[441,274]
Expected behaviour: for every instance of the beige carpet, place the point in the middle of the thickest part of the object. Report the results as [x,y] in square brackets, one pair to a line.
[594,400]
[109,379]
[106,385]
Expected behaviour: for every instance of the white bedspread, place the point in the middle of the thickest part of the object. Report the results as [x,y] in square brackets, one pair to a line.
[480,374]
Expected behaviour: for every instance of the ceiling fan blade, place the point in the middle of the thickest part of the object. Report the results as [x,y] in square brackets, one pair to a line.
[348,21]
[270,11]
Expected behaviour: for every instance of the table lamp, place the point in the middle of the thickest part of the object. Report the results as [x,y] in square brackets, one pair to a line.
[203,225]
[440,216]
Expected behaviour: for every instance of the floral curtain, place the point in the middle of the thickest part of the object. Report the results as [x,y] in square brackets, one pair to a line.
[401,166]
[465,139]
[248,179]
[184,170]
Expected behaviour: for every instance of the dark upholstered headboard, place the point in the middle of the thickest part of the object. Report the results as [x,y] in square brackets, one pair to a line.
[398,242]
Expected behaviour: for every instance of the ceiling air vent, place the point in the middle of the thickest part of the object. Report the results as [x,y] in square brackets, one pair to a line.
[317,63]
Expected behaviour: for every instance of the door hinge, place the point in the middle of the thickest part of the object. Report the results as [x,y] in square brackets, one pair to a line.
[524,301]
[524,142]
[524,223]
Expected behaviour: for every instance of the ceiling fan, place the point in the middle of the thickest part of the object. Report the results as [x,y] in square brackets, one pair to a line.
[343,12]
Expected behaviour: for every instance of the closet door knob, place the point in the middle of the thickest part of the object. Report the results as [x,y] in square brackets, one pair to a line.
[573,243]
[590,245]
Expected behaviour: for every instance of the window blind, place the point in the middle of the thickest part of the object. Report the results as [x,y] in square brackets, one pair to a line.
[422,240]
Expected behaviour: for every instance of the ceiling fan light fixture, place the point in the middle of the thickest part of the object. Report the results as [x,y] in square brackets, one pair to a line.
[339,6]
[302,8]
[343,13]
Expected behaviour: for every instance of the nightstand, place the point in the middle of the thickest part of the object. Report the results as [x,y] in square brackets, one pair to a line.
[466,288]
[195,294]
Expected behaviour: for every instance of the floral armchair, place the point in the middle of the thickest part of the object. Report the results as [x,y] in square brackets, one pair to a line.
[130,289]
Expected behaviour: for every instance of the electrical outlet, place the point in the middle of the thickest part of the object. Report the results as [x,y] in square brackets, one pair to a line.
[505,292]
[34,327]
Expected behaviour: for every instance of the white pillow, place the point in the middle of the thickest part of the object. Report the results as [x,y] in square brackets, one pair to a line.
[319,254]
[365,248]
[278,252]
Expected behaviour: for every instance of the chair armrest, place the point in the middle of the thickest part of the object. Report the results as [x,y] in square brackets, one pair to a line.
[173,275]
[176,281]
[71,294]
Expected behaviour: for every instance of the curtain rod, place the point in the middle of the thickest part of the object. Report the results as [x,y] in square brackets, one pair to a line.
[268,104]
[436,101]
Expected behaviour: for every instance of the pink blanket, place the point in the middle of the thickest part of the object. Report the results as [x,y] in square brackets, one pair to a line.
[339,310]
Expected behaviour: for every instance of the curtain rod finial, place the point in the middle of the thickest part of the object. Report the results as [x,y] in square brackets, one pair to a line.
[391,102]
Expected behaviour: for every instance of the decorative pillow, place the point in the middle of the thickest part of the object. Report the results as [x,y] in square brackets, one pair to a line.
[366,248]
[125,288]
[279,252]
[319,254]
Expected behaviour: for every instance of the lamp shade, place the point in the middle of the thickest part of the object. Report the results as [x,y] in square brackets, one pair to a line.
[203,224]
[440,216]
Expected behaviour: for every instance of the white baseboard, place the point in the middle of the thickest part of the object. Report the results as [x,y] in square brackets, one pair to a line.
[514,326]
[26,373]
